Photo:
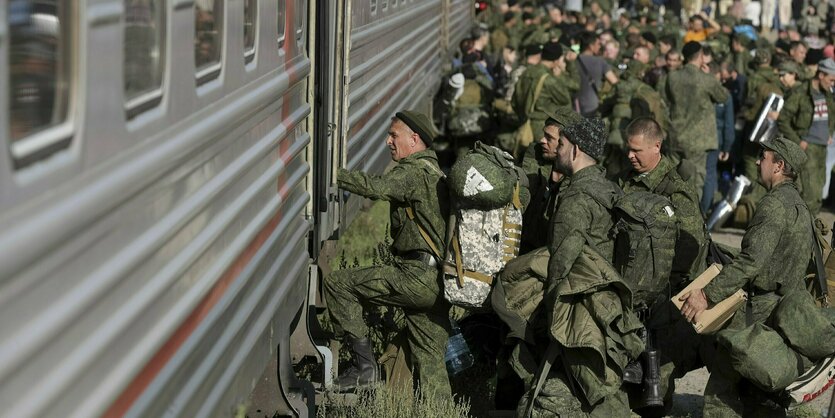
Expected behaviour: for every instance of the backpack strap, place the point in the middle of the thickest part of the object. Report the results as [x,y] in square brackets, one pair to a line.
[542,374]
[537,91]
[411,214]
[820,271]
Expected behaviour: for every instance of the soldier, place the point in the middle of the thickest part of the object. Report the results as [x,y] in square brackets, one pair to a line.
[582,217]
[411,283]
[557,85]
[808,119]
[775,254]
[691,95]
[504,35]
[651,171]
[543,181]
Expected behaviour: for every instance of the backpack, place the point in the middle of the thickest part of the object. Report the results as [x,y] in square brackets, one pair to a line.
[469,114]
[645,233]
[485,227]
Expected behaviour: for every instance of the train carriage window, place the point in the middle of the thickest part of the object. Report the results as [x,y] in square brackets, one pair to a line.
[39,77]
[299,12]
[144,48]
[281,22]
[373,7]
[250,10]
[385,5]
[208,38]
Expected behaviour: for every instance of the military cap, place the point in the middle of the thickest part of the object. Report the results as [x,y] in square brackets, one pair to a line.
[552,51]
[827,66]
[727,20]
[791,152]
[419,123]
[533,49]
[788,66]
[562,116]
[690,49]
[649,37]
[589,134]
[762,55]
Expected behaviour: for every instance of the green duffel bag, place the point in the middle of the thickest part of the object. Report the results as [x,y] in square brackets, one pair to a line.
[805,326]
[484,178]
[759,354]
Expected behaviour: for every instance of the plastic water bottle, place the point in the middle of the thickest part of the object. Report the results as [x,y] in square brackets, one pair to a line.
[458,357]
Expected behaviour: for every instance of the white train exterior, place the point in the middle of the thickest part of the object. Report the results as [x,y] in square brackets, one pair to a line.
[167,182]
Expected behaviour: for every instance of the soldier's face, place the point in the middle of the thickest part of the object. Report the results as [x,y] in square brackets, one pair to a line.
[798,53]
[401,140]
[644,154]
[565,154]
[550,141]
[766,168]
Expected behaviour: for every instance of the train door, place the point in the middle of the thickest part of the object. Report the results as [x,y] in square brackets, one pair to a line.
[327,101]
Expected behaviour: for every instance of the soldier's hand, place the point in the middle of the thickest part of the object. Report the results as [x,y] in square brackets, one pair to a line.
[570,56]
[773,115]
[724,156]
[695,302]
[804,145]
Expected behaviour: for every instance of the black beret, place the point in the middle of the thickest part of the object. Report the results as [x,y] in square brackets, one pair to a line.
[508,16]
[419,123]
[649,37]
[533,49]
[552,51]
[527,16]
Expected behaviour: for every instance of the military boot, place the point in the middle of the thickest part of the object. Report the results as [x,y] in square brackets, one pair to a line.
[363,369]
[652,395]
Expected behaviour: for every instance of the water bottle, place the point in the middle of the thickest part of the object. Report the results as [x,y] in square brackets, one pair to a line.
[458,357]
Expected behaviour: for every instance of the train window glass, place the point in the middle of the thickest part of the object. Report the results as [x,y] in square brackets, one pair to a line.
[299,23]
[385,5]
[373,7]
[39,75]
[144,53]
[250,10]
[208,38]
[281,22]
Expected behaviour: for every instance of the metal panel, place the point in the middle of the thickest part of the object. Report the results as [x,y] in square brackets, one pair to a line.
[158,277]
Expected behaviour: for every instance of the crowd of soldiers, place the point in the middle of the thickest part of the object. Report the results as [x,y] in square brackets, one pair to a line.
[595,103]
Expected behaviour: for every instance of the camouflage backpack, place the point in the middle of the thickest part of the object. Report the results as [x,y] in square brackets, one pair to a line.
[485,227]
[469,114]
[645,233]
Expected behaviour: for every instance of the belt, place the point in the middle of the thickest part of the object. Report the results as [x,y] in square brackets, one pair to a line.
[421,256]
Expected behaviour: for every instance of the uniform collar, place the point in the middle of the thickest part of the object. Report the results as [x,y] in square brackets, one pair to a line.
[654,177]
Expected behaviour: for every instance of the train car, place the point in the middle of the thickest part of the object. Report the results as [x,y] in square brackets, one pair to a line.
[168,181]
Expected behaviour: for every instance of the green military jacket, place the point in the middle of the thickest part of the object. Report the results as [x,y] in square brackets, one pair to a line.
[742,61]
[691,95]
[691,245]
[582,215]
[798,111]
[776,250]
[543,197]
[414,182]
[763,82]
[556,92]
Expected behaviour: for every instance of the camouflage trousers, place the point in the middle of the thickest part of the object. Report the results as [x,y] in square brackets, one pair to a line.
[556,400]
[727,394]
[410,285]
[699,160]
[813,176]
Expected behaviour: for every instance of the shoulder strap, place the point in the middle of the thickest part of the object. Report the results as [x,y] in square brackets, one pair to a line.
[820,272]
[411,214]
[591,82]
[537,91]
[542,374]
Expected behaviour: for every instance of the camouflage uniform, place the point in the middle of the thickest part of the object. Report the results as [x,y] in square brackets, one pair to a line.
[794,122]
[775,253]
[411,285]
[582,217]
[691,95]
[682,350]
[556,92]
[543,190]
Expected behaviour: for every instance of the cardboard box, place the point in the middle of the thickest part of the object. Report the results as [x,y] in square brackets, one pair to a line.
[714,318]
